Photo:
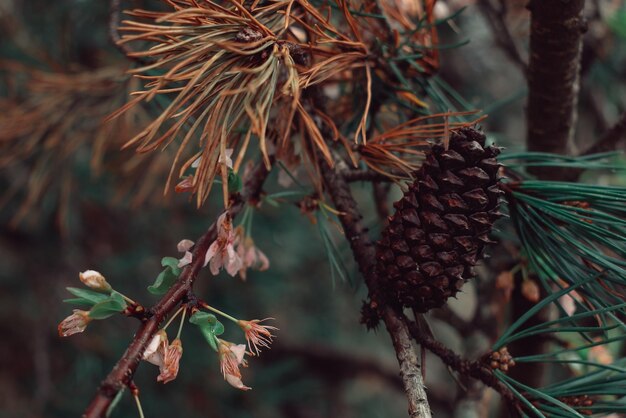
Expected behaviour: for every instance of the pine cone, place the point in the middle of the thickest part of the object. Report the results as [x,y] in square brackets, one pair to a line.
[442,223]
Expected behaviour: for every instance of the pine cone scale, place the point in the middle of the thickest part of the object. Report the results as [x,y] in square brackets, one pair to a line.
[442,223]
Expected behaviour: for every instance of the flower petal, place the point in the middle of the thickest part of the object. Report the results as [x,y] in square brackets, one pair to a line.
[211,253]
[184,245]
[239,351]
[187,259]
[233,261]
[236,382]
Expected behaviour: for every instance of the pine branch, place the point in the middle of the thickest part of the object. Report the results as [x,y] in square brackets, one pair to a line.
[364,254]
[123,371]
[364,175]
[553,76]
[475,369]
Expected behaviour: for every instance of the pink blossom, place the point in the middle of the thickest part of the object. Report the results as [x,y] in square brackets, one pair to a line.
[222,253]
[231,357]
[251,257]
[74,324]
[155,352]
[257,335]
[171,361]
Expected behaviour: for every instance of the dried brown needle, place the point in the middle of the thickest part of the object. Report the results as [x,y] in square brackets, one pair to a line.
[400,149]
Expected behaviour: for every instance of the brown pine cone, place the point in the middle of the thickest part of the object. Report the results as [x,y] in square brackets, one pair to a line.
[442,223]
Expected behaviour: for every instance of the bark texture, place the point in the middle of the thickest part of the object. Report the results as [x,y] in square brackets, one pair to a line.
[364,254]
[556,43]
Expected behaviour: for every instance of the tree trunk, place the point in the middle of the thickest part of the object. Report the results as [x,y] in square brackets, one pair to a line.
[557,27]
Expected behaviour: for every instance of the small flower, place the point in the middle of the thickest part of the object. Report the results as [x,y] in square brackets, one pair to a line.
[184,245]
[231,357]
[225,158]
[155,352]
[222,253]
[251,257]
[171,361]
[257,335]
[94,280]
[74,324]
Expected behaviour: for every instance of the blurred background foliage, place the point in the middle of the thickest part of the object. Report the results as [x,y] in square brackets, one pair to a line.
[324,363]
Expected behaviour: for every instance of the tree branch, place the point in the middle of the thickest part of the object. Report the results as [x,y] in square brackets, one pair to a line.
[114,19]
[122,373]
[553,76]
[332,364]
[364,254]
[475,369]
[380,193]
[502,36]
[364,175]
[556,41]
[610,139]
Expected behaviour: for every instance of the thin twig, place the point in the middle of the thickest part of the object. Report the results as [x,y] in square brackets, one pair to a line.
[364,175]
[475,369]
[380,193]
[123,371]
[611,138]
[501,33]
[332,364]
[114,18]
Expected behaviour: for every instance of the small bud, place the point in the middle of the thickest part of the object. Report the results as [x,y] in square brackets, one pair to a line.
[531,291]
[74,324]
[94,280]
